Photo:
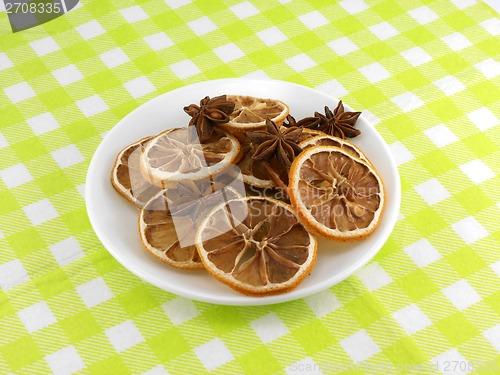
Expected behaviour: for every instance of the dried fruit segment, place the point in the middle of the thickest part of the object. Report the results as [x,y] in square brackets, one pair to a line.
[328,140]
[256,245]
[168,222]
[179,155]
[336,195]
[126,176]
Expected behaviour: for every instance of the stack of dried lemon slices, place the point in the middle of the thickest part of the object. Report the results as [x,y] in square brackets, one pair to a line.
[243,190]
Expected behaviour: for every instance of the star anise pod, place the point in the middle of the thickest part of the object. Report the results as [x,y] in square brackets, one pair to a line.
[339,123]
[272,143]
[211,111]
[307,122]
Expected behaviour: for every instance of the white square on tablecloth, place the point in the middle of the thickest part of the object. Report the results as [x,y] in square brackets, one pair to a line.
[477,171]
[496,266]
[416,56]
[407,101]
[229,52]
[400,153]
[343,46]
[213,354]
[134,14]
[422,252]
[158,41]
[65,361]
[440,135]
[493,336]
[92,105]
[40,212]
[42,123]
[114,57]
[374,72]
[456,41]
[313,20]
[353,6]
[384,30]
[269,327]
[90,30]
[323,303]
[461,294]
[360,346]
[66,251]
[462,4]
[333,88]
[174,4]
[489,67]
[449,85]
[139,87]
[5,62]
[412,319]
[94,292]
[45,46]
[373,276]
[300,62]
[124,335]
[258,74]
[445,361]
[271,36]
[67,75]
[492,26]
[67,156]
[244,10]
[483,118]
[184,69]
[423,15]
[180,310]
[16,175]
[432,191]
[12,273]
[470,230]
[37,316]
[19,92]
[202,26]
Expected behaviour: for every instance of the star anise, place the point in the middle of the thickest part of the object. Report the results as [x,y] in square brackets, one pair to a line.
[272,143]
[307,122]
[339,123]
[211,111]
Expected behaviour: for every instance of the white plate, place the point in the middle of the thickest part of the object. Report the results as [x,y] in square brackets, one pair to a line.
[115,221]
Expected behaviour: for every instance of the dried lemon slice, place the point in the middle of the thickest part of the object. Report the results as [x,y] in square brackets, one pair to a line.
[178,155]
[126,176]
[256,245]
[250,113]
[168,222]
[328,140]
[336,195]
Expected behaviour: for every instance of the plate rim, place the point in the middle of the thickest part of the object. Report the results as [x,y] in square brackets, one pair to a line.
[242,300]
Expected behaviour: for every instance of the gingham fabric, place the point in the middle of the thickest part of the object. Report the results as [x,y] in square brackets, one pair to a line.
[425,73]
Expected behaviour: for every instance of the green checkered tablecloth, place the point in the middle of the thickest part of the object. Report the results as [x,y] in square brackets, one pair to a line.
[425,73]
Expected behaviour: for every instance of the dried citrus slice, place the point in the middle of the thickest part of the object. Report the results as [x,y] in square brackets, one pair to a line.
[256,245]
[178,155]
[168,222]
[250,113]
[336,195]
[126,176]
[329,140]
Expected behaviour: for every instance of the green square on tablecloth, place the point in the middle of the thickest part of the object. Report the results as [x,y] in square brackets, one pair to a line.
[466,261]
[405,351]
[137,300]
[259,361]
[26,241]
[321,339]
[457,328]
[366,309]
[168,345]
[110,366]
[80,326]
[417,285]
[21,352]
